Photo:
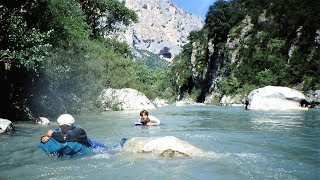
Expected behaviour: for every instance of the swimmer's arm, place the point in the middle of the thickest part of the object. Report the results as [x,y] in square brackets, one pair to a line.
[46,138]
[152,124]
[154,121]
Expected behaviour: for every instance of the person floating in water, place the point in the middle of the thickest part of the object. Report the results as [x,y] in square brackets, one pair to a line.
[68,132]
[69,139]
[147,120]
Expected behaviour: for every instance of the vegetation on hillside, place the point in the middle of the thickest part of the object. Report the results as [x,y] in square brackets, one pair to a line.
[280,48]
[55,59]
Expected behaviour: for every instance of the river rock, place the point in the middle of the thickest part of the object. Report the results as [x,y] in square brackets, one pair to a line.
[124,99]
[43,121]
[317,95]
[313,96]
[213,98]
[168,146]
[6,126]
[275,98]
[232,100]
[159,102]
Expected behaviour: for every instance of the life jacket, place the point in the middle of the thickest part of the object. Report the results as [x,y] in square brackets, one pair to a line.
[66,133]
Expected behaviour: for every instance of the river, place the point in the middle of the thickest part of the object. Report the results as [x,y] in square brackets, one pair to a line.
[239,144]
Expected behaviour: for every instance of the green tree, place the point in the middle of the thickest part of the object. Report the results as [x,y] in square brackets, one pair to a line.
[103,15]
[180,69]
[228,85]
[22,50]
[20,45]
[266,77]
[221,17]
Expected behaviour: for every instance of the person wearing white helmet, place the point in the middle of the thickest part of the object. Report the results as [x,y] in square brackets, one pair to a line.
[71,140]
[67,132]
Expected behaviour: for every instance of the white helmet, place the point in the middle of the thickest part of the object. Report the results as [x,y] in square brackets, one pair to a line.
[65,119]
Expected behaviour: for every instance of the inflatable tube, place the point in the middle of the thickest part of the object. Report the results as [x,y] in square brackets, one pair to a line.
[137,123]
[74,148]
[62,149]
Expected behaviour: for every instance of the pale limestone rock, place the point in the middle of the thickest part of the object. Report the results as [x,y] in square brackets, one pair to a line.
[294,45]
[188,101]
[212,99]
[275,98]
[124,99]
[161,24]
[6,126]
[43,121]
[314,97]
[234,44]
[167,146]
[159,102]
[236,100]
[263,16]
[317,95]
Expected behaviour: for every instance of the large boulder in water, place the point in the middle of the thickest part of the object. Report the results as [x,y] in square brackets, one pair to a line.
[6,126]
[275,98]
[124,99]
[167,146]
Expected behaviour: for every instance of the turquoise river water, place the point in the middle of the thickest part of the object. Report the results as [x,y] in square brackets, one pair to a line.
[240,145]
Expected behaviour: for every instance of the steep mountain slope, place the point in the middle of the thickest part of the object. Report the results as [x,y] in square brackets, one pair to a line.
[248,44]
[163,28]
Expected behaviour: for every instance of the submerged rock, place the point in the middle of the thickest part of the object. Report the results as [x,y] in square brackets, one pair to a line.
[167,146]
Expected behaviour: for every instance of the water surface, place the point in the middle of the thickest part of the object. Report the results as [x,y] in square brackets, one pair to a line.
[239,144]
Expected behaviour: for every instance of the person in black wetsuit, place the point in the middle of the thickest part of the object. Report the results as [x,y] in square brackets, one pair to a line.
[68,132]
[246,103]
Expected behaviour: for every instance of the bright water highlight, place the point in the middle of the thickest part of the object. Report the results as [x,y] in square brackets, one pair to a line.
[238,144]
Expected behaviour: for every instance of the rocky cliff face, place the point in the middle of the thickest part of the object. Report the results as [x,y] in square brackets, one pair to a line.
[162,29]
[240,38]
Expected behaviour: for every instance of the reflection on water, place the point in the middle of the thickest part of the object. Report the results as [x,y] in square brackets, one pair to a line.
[236,144]
[279,121]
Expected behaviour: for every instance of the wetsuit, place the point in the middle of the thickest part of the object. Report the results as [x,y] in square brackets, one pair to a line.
[66,133]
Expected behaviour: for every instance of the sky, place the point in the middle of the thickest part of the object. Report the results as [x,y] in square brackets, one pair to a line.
[196,7]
